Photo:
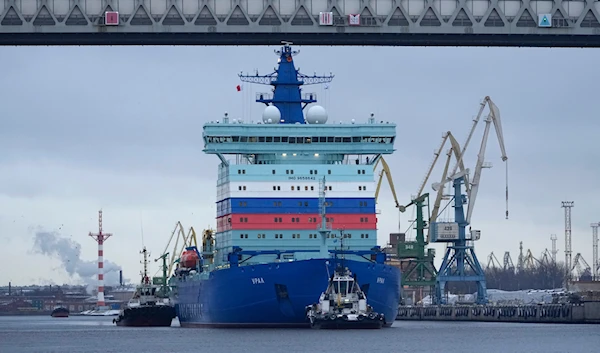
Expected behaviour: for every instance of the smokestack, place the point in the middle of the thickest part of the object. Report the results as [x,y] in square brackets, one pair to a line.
[121,278]
[9,289]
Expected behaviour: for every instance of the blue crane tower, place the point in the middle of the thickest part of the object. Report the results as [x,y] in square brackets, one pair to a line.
[460,262]
[287,81]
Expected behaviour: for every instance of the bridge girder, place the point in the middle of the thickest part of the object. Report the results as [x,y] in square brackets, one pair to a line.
[266,22]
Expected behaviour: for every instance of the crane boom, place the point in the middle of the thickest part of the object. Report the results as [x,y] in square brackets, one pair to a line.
[494,117]
[385,170]
[439,187]
[471,132]
[459,163]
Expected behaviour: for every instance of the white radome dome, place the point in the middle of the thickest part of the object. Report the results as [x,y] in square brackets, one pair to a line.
[271,115]
[316,115]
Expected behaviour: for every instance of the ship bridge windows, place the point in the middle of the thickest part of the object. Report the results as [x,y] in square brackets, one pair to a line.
[300,139]
[341,287]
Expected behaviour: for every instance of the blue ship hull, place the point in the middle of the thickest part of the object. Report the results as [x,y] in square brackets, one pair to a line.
[276,294]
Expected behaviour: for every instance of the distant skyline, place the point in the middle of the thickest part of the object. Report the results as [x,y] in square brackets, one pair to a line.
[119,129]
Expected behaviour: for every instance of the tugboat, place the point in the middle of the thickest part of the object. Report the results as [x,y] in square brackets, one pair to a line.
[343,305]
[60,311]
[150,304]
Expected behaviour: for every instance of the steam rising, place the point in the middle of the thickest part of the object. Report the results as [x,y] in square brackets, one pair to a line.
[69,253]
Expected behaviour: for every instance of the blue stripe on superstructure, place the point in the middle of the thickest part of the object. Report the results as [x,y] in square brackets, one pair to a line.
[294,205]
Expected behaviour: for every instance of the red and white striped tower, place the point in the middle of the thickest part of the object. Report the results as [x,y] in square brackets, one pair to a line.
[100,238]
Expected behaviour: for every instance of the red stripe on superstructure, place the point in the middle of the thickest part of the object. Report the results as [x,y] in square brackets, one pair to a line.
[295,221]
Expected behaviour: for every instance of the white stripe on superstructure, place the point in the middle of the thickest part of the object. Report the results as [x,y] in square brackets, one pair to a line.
[295,189]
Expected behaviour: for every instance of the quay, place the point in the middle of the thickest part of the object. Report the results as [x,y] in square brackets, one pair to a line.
[583,313]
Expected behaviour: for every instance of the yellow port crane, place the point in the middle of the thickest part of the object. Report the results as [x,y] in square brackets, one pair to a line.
[439,187]
[385,169]
[187,239]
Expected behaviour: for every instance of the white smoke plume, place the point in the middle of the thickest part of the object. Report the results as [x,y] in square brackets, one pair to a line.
[69,253]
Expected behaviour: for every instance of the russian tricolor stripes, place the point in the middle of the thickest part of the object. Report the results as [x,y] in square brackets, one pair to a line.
[258,204]
[290,205]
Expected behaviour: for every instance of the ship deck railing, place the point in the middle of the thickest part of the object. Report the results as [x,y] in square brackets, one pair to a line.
[348,160]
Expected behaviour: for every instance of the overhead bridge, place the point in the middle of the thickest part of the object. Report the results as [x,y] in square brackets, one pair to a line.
[557,23]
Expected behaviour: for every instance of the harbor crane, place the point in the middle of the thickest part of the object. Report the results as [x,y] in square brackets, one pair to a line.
[492,262]
[385,169]
[416,262]
[187,239]
[460,262]
[418,268]
[417,265]
[583,272]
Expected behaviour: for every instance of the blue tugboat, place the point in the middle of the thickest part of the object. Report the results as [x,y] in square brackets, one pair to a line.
[284,184]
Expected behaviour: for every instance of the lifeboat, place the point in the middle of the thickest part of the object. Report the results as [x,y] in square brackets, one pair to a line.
[189,259]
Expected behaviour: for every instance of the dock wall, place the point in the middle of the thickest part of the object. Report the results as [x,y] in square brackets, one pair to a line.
[585,313]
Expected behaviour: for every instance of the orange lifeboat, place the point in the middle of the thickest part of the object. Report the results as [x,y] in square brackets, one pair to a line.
[189,259]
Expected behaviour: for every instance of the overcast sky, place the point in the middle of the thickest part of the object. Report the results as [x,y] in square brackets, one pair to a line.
[120,129]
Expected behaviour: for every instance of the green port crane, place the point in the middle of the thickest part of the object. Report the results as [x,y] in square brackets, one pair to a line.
[418,270]
[163,280]
[416,262]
